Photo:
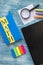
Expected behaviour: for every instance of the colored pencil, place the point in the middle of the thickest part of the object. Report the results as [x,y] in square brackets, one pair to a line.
[39,10]
[37,16]
[39,13]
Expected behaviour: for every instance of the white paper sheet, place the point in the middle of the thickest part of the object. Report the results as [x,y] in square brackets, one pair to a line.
[31,16]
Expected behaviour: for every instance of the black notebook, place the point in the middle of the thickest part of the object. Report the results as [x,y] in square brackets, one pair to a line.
[33,35]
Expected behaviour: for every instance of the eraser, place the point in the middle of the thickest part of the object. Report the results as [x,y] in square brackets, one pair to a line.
[18,51]
[9,29]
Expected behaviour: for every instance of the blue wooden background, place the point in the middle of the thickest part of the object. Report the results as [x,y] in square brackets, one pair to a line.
[5,53]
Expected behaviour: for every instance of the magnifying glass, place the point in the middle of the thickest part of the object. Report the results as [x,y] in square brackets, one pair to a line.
[25,13]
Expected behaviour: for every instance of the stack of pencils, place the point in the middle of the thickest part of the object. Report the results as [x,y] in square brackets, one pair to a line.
[39,13]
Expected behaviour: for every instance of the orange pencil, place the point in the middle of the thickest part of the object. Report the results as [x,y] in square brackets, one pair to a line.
[20,48]
[37,16]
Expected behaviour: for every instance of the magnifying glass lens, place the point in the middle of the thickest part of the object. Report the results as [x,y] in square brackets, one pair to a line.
[25,13]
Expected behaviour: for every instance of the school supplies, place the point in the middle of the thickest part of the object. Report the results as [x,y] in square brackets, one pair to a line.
[38,13]
[27,12]
[9,29]
[18,51]
[29,16]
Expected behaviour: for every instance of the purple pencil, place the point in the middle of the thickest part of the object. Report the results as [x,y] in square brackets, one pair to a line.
[39,13]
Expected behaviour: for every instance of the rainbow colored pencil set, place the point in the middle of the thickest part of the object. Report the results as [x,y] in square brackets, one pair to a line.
[18,51]
[39,13]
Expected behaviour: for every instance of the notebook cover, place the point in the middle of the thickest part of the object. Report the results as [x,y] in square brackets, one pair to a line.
[13,29]
[33,35]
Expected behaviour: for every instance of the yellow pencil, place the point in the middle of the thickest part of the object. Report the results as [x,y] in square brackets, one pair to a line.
[40,10]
